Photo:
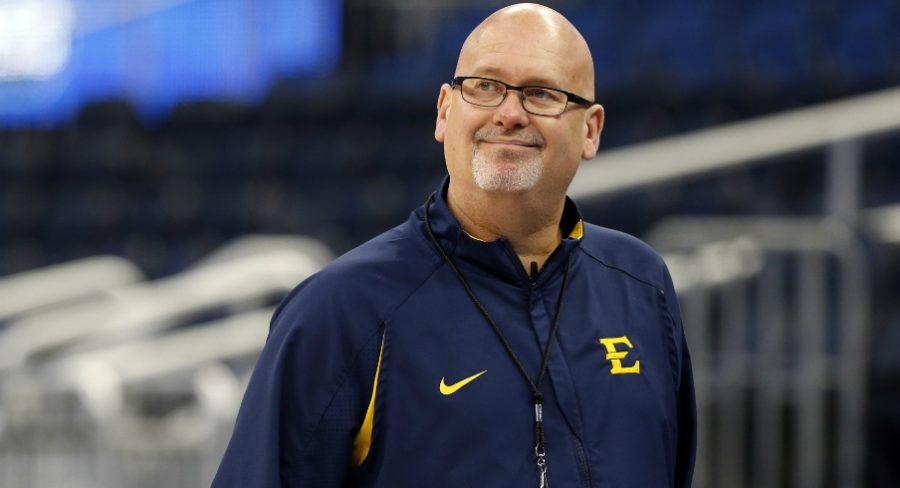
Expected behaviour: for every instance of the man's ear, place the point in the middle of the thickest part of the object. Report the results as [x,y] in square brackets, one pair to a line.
[443,109]
[593,124]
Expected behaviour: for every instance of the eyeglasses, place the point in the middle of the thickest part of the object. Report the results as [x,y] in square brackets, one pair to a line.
[536,100]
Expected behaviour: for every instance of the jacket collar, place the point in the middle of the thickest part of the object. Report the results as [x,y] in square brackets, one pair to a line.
[496,257]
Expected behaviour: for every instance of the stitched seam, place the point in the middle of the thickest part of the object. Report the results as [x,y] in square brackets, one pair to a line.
[670,333]
[345,372]
[623,271]
[340,385]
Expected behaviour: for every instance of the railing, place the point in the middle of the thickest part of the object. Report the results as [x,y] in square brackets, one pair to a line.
[776,311]
[125,383]
[840,126]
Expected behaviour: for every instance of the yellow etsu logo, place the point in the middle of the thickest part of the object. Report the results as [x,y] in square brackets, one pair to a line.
[615,356]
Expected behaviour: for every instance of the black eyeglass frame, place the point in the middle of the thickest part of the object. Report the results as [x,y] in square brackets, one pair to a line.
[570,97]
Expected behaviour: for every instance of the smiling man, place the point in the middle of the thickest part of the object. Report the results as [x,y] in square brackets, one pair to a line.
[516,122]
[494,339]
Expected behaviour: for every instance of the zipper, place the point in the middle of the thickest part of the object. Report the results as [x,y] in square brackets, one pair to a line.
[584,473]
[530,281]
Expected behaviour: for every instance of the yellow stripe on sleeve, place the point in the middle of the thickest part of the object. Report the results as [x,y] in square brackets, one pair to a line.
[363,440]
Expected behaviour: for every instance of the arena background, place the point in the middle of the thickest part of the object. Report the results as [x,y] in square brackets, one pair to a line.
[169,169]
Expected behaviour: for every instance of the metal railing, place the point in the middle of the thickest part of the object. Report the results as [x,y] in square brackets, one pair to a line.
[776,310]
[138,384]
[840,126]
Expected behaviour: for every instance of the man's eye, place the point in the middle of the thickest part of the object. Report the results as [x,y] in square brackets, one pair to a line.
[544,95]
[487,86]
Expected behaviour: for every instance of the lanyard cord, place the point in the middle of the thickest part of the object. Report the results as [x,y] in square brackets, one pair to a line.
[537,396]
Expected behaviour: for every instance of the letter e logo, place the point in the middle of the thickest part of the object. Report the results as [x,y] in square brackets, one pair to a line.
[615,356]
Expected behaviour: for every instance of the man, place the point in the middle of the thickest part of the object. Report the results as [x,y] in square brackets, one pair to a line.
[494,339]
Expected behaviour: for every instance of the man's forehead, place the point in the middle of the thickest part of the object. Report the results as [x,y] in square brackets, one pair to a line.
[519,75]
[528,46]
[532,45]
[516,63]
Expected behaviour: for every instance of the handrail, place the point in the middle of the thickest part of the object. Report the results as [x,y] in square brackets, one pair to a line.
[736,145]
[186,349]
[100,376]
[53,285]
[235,283]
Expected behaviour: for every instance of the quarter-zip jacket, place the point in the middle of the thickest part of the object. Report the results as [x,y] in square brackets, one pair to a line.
[379,371]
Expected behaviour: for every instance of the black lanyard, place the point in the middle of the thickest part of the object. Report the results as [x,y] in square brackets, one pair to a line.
[537,396]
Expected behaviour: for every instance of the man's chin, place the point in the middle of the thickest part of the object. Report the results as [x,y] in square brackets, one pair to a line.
[506,170]
[505,181]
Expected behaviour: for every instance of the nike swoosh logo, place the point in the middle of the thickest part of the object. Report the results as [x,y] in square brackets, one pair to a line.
[451,389]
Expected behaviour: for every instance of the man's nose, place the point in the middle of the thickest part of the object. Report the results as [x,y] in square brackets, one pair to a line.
[511,112]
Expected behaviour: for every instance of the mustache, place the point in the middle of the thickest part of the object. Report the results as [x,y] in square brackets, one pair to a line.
[486,133]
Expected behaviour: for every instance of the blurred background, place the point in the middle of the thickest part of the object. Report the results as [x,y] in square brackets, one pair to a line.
[170,169]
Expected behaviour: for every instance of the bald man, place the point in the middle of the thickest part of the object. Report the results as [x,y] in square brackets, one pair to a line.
[494,339]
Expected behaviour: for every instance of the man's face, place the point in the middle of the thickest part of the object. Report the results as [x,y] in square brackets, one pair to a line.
[505,148]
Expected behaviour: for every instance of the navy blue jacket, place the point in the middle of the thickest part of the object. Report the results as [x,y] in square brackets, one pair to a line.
[380,372]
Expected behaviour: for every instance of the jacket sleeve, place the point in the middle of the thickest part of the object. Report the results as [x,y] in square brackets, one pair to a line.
[687,409]
[305,400]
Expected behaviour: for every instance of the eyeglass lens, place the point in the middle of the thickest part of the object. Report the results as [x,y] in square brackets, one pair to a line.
[537,100]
